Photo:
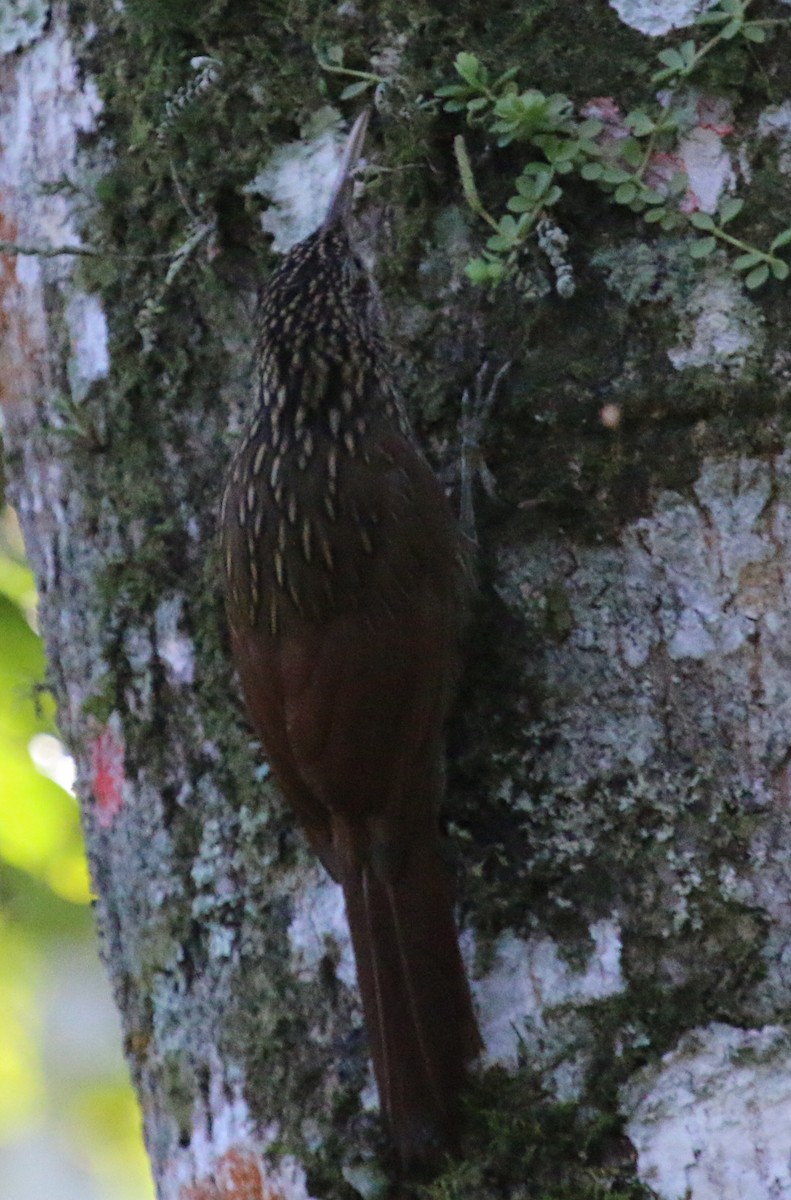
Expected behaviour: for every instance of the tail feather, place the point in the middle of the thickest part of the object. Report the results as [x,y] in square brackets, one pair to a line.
[416,1000]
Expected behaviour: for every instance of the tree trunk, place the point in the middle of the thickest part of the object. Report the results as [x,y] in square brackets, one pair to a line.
[619,807]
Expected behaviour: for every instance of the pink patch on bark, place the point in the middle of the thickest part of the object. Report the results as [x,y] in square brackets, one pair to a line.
[716,114]
[107,775]
[603,108]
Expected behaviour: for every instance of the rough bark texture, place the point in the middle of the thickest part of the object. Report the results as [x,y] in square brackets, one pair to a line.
[621,763]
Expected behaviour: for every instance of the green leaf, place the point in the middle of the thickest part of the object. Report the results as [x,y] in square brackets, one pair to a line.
[729,208]
[782,239]
[780,269]
[534,180]
[672,59]
[757,277]
[483,271]
[591,170]
[468,66]
[688,51]
[355,89]
[701,220]
[745,261]
[506,77]
[451,89]
[615,175]
[632,152]
[334,55]
[639,122]
[652,197]
[474,106]
[655,214]
[754,33]
[730,30]
[553,147]
[625,193]
[703,247]
[520,204]
[590,128]
[711,18]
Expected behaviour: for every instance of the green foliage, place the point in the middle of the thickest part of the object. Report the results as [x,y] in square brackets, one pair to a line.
[553,1151]
[559,145]
[39,823]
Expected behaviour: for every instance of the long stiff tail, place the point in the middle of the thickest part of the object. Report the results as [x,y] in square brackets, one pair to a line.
[416,1000]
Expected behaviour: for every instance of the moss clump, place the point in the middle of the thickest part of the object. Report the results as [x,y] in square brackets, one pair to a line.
[523,1146]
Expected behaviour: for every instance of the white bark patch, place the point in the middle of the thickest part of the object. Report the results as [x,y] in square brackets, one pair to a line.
[319,928]
[520,1001]
[776,122]
[698,586]
[658,17]
[90,358]
[41,118]
[721,328]
[43,108]
[224,1157]
[174,648]
[299,178]
[713,1121]
[21,22]
[708,166]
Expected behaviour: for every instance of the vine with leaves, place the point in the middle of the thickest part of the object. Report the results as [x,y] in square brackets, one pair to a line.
[624,167]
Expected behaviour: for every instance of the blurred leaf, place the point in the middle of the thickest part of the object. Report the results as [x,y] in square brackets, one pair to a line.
[39,821]
[470,69]
[592,170]
[671,58]
[782,239]
[757,277]
[21,1084]
[639,122]
[745,261]
[625,193]
[703,247]
[701,220]
[730,207]
[355,89]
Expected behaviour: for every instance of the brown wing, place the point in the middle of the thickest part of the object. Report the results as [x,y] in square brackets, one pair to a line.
[350,707]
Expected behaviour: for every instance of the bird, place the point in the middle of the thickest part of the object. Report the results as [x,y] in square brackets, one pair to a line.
[346,583]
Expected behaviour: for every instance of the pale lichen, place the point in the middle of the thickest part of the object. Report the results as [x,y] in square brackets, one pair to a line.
[658,17]
[711,1120]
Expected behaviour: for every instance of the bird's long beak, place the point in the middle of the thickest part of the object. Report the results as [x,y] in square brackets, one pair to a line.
[340,203]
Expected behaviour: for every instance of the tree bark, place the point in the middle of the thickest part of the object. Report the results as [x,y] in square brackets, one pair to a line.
[620,780]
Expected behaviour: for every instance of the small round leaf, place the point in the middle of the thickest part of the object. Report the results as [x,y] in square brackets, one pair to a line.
[757,277]
[703,247]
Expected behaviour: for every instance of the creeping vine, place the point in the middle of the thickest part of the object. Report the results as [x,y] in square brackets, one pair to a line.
[632,158]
